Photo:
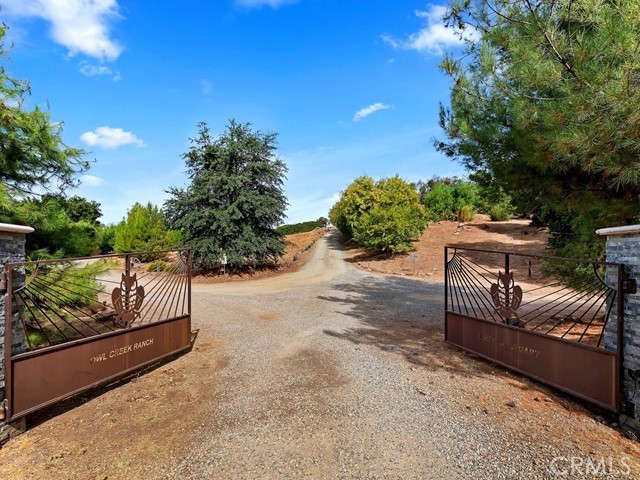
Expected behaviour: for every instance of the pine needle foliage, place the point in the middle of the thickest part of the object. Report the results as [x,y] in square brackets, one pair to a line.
[545,101]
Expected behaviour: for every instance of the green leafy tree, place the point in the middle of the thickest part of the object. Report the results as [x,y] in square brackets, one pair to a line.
[106,238]
[144,230]
[324,221]
[545,104]
[55,235]
[33,156]
[385,216]
[77,208]
[234,201]
[357,199]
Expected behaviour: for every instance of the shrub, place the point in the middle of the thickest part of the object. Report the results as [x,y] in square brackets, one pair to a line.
[386,215]
[444,198]
[157,266]
[500,213]
[303,227]
[465,214]
[106,238]
[439,202]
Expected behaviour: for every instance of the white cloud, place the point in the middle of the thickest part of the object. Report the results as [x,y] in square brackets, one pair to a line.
[262,3]
[90,70]
[435,37]
[107,137]
[366,111]
[82,26]
[91,180]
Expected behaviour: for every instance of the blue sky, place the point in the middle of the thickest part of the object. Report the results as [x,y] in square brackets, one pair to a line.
[351,87]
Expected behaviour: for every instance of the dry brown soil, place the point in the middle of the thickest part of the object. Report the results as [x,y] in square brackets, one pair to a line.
[296,254]
[515,236]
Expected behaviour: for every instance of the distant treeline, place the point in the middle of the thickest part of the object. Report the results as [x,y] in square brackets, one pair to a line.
[290,229]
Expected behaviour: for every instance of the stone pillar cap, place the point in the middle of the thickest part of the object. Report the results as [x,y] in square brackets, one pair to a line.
[7,227]
[626,230]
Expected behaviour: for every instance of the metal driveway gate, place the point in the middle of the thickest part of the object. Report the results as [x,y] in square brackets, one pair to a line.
[75,323]
[556,320]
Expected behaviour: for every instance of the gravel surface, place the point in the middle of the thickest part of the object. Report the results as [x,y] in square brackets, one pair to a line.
[334,373]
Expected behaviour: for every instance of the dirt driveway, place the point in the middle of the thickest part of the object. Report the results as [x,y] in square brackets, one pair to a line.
[328,372]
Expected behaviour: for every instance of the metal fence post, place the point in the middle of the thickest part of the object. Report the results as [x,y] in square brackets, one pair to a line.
[446,288]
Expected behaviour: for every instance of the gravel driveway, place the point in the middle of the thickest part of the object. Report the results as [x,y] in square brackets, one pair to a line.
[325,373]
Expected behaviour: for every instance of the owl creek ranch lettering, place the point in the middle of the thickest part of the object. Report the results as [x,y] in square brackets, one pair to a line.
[121,351]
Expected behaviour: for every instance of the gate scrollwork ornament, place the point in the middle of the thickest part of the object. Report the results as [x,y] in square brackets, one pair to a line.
[507,297]
[127,300]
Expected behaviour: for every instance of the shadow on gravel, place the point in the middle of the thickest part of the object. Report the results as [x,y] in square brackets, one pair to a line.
[406,317]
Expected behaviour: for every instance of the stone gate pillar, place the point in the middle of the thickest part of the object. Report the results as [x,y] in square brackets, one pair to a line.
[623,246]
[12,249]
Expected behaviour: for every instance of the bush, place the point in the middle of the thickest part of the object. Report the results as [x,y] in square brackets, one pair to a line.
[444,198]
[299,227]
[157,266]
[465,214]
[385,216]
[106,239]
[500,213]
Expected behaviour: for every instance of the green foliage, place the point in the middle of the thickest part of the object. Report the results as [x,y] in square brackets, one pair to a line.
[439,202]
[70,285]
[55,235]
[355,201]
[62,288]
[32,153]
[235,199]
[545,105]
[144,230]
[323,220]
[303,227]
[106,238]
[385,216]
[499,213]
[445,198]
[78,209]
[465,214]
[157,266]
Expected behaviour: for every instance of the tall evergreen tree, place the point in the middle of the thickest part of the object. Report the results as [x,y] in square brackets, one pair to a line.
[545,104]
[33,156]
[235,199]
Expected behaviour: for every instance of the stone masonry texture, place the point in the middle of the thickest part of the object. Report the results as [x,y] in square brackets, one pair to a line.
[12,249]
[625,249]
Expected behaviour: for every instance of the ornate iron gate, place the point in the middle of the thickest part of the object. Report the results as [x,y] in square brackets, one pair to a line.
[75,323]
[554,319]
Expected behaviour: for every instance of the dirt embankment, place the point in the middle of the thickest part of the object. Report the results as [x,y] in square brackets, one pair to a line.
[296,255]
[427,259]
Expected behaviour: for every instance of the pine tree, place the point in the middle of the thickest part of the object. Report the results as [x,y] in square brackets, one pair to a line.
[545,104]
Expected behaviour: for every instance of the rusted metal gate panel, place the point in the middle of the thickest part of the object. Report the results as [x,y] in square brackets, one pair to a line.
[76,323]
[559,323]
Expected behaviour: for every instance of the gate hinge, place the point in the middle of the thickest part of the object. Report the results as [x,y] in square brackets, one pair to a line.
[629,285]
[3,282]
